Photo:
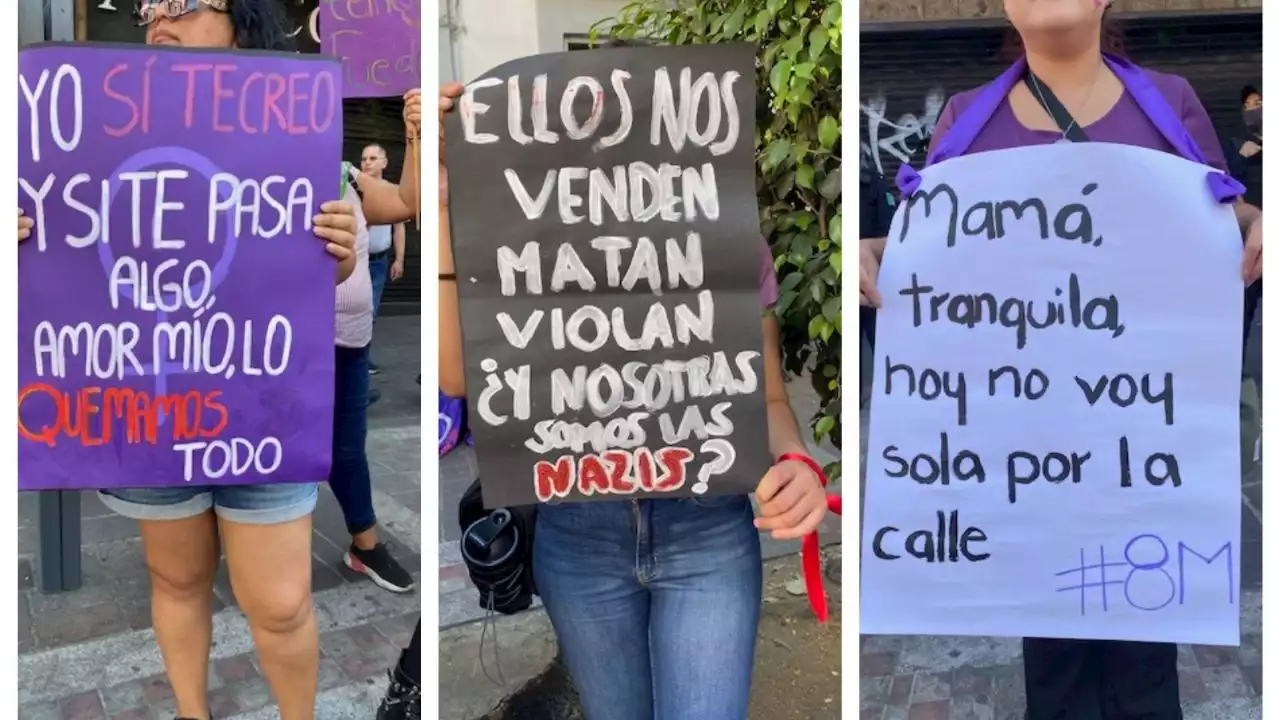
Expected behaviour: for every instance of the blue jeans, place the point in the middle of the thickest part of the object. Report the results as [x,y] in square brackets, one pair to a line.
[379,272]
[349,476]
[655,603]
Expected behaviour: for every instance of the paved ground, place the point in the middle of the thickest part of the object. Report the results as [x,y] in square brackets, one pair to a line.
[952,678]
[963,678]
[90,653]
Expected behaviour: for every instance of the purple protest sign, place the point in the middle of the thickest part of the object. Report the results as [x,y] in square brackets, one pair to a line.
[379,44]
[176,312]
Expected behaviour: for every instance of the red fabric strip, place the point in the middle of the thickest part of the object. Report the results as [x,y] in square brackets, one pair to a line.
[810,550]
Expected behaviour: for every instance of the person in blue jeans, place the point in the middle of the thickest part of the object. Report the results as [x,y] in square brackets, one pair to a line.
[656,603]
[386,244]
[349,479]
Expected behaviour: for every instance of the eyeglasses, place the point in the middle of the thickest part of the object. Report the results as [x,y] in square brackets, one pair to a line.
[145,11]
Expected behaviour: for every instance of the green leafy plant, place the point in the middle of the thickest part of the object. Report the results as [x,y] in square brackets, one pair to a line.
[798,159]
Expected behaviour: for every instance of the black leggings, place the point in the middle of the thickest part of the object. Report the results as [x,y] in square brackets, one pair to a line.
[867,323]
[1101,680]
[410,666]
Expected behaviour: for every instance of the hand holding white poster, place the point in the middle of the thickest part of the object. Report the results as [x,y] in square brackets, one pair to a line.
[1054,436]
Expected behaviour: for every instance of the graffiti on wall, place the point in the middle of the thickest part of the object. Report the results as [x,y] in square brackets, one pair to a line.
[895,135]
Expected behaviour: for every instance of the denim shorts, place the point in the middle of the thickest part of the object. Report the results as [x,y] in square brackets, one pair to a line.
[244,504]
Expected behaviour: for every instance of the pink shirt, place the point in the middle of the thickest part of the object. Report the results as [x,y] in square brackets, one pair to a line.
[354,303]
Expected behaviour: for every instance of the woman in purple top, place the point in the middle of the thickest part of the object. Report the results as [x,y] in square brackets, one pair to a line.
[1106,99]
[656,603]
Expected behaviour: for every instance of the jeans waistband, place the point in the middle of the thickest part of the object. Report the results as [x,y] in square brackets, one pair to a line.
[378,255]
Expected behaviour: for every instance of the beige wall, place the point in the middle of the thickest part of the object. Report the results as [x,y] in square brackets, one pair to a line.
[489,33]
[482,34]
[557,18]
[905,10]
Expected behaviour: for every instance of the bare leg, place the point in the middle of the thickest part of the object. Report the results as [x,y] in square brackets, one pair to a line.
[182,556]
[366,540]
[271,575]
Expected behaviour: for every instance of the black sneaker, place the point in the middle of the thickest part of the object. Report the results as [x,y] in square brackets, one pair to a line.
[403,700]
[381,568]
[374,395]
[374,369]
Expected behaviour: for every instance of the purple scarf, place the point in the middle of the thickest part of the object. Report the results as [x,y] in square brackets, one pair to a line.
[453,423]
[966,128]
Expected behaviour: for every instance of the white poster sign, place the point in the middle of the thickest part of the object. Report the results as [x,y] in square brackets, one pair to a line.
[1054,442]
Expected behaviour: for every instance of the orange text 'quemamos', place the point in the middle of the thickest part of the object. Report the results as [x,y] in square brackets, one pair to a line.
[90,415]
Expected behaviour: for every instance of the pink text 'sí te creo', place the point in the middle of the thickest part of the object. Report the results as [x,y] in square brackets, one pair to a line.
[252,103]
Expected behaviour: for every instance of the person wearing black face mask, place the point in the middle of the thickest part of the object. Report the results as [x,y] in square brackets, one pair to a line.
[1246,166]
[1244,155]
[1244,159]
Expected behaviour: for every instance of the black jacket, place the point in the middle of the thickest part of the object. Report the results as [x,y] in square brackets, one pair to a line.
[1246,170]
[875,215]
[876,211]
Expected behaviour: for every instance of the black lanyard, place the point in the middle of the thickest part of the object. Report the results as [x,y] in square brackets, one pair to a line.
[1067,125]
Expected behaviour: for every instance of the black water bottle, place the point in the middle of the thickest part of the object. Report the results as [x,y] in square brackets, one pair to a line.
[494,553]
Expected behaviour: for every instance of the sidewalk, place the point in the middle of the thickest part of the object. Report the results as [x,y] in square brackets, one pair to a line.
[527,643]
[963,678]
[91,654]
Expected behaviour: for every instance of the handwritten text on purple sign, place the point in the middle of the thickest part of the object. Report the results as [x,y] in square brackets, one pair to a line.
[212,98]
[378,42]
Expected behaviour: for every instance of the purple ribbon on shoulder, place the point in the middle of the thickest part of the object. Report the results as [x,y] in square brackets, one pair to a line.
[964,131]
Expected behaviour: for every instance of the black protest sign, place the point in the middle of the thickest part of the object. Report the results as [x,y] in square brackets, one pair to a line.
[608,256]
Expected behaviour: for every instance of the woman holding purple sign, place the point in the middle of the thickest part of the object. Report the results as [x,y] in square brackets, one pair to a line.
[265,530]
[1072,84]
[656,603]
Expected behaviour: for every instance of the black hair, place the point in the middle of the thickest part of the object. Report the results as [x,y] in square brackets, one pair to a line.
[261,25]
[1248,91]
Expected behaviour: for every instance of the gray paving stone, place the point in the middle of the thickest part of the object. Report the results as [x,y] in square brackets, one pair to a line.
[458,470]
[971,708]
[39,711]
[1225,709]
[124,696]
[251,694]
[26,575]
[468,678]
[109,528]
[977,677]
